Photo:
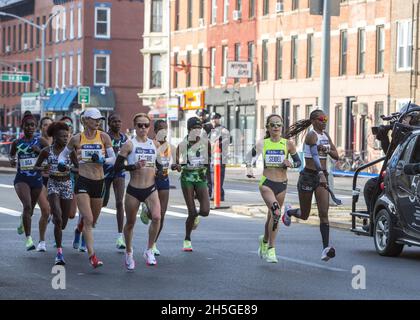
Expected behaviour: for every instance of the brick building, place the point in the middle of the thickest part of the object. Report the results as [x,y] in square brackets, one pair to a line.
[90,43]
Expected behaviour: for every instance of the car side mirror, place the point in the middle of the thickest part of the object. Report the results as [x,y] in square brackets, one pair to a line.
[412,169]
[400,165]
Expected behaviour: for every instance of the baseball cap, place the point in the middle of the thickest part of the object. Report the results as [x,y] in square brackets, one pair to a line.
[93,113]
[216,116]
[194,121]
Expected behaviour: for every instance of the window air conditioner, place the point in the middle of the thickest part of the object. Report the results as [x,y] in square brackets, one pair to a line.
[279,7]
[237,15]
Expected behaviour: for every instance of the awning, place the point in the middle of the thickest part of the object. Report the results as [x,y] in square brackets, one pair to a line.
[102,98]
[61,101]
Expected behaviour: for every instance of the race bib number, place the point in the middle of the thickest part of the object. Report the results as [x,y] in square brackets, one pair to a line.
[273,158]
[327,146]
[164,161]
[88,150]
[196,163]
[147,155]
[27,164]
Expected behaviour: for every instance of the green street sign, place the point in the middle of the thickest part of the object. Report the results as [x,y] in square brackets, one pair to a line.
[8,77]
[84,95]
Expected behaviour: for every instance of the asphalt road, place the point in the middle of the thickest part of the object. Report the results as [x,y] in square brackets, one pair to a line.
[224,264]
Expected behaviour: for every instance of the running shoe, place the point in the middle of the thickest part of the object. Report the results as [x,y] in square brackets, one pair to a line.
[20,229]
[59,259]
[262,249]
[271,256]
[130,264]
[287,220]
[144,212]
[76,241]
[155,250]
[187,246]
[29,244]
[328,253]
[82,247]
[95,262]
[149,257]
[41,247]
[196,222]
[120,243]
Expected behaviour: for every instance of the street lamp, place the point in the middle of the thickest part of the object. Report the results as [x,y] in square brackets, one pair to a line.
[43,29]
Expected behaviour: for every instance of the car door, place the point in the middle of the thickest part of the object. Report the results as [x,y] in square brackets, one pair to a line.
[408,188]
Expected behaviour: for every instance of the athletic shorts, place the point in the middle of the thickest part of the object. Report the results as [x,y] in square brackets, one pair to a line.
[45,181]
[94,188]
[309,180]
[162,184]
[141,194]
[194,179]
[33,182]
[276,187]
[62,188]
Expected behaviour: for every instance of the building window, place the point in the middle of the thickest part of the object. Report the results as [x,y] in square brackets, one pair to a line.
[212,66]
[224,61]
[14,39]
[31,36]
[175,70]
[103,23]
[200,68]
[251,9]
[155,71]
[57,71]
[63,72]
[237,56]
[361,51]
[50,31]
[264,75]
[156,21]
[79,22]
[226,10]
[101,70]
[213,11]
[37,33]
[201,9]
[295,4]
[50,74]
[380,48]
[71,70]
[266,7]
[279,58]
[238,5]
[310,56]
[71,24]
[338,124]
[64,25]
[294,57]
[188,74]
[4,40]
[190,14]
[79,69]
[251,55]
[343,53]
[57,27]
[177,15]
[404,45]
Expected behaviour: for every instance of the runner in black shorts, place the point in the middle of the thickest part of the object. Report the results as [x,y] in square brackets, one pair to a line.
[92,147]
[116,179]
[60,191]
[314,177]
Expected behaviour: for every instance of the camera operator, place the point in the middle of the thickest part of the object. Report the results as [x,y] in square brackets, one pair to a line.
[382,134]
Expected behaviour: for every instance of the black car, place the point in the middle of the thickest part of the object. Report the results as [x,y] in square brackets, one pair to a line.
[393,219]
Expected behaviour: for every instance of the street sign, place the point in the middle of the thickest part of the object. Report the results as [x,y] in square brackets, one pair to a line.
[84,95]
[8,77]
[31,102]
[239,69]
[316,7]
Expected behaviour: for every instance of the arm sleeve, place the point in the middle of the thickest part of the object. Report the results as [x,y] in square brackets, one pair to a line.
[64,155]
[111,156]
[296,160]
[315,157]
[119,165]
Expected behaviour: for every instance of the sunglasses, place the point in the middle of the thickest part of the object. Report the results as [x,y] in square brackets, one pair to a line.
[30,125]
[323,119]
[143,125]
[275,124]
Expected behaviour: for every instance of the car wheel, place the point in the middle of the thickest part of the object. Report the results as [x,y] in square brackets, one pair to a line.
[385,235]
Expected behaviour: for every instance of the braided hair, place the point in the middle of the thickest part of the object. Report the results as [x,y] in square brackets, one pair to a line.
[267,133]
[302,125]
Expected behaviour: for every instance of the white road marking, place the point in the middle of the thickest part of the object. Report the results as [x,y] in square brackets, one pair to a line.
[218,213]
[307,263]
[10,212]
[170,213]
